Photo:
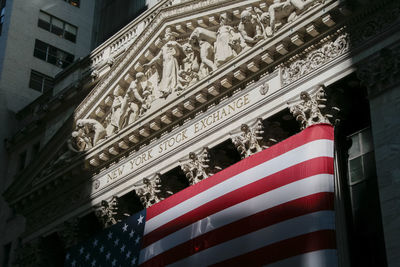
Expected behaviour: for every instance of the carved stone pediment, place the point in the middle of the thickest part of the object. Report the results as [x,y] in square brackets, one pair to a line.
[160,79]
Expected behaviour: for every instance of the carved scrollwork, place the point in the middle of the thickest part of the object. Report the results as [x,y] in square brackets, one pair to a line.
[149,191]
[199,167]
[312,109]
[108,212]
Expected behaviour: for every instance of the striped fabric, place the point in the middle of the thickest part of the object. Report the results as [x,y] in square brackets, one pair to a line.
[274,208]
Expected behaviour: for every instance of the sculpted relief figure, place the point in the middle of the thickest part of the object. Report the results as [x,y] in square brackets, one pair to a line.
[250,28]
[282,12]
[116,121]
[201,40]
[188,74]
[82,142]
[138,99]
[168,59]
[228,43]
[92,129]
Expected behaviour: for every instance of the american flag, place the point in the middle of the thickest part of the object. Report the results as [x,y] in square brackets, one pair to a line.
[274,208]
[118,246]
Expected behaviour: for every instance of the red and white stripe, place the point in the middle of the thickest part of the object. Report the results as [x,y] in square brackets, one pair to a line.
[275,207]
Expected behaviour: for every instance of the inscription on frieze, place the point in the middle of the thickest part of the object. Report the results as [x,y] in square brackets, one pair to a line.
[205,123]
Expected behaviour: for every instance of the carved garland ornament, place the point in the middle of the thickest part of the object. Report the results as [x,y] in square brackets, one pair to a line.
[179,65]
[315,59]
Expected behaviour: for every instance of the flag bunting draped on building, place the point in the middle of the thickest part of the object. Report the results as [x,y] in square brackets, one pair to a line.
[275,207]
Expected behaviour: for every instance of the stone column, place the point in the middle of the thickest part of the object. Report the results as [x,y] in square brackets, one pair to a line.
[381,75]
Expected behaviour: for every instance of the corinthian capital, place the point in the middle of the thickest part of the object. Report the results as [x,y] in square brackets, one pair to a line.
[108,212]
[312,109]
[149,190]
[250,139]
[199,166]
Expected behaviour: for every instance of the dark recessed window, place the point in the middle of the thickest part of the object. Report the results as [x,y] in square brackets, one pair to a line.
[73,2]
[57,26]
[40,82]
[52,54]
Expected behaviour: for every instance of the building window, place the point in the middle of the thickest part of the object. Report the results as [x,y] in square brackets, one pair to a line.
[57,26]
[73,2]
[52,54]
[2,13]
[40,82]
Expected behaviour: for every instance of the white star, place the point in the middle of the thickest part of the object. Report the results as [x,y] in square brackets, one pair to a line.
[137,240]
[131,234]
[122,248]
[125,228]
[116,242]
[128,254]
[109,235]
[101,249]
[114,262]
[133,260]
[93,262]
[108,255]
[95,242]
[81,250]
[73,263]
[140,220]
[67,256]
[87,256]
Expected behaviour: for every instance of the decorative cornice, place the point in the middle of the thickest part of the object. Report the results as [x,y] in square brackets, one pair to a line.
[316,58]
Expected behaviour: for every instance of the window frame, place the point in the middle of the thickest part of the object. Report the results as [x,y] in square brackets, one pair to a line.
[61,32]
[52,54]
[44,78]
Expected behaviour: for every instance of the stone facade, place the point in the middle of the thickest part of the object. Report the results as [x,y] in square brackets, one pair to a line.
[208,83]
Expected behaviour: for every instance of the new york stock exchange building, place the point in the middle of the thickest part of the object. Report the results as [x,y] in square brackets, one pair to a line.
[226,133]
